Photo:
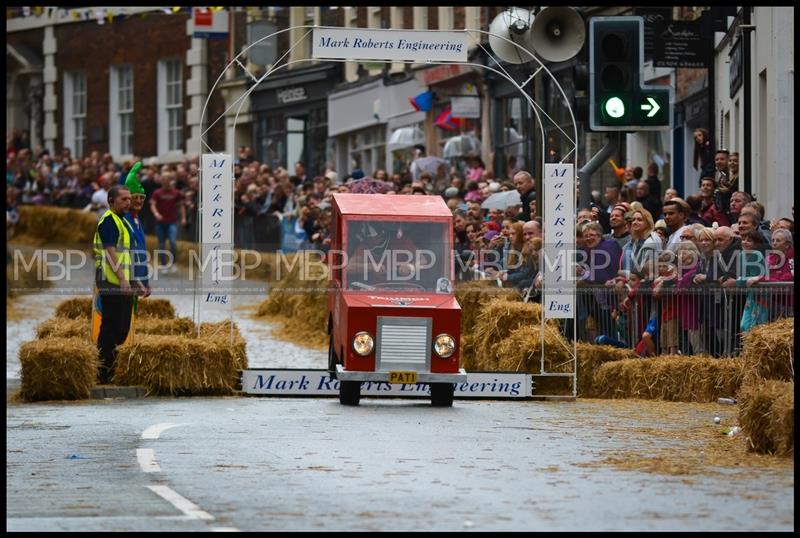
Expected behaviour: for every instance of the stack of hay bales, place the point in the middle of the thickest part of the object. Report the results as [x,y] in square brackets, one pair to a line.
[58,369]
[56,225]
[472,296]
[207,364]
[166,354]
[766,398]
[300,301]
[590,358]
[681,378]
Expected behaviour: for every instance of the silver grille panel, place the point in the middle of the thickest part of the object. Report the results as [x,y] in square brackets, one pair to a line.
[404,343]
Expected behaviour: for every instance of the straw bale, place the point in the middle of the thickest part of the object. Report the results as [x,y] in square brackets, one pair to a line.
[62,327]
[155,308]
[497,320]
[466,357]
[768,351]
[58,369]
[473,295]
[698,378]
[182,364]
[766,414]
[521,351]
[220,329]
[57,225]
[75,307]
[162,326]
[590,358]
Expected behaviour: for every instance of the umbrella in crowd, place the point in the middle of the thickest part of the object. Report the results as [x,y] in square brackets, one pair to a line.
[369,185]
[502,200]
[461,146]
[405,137]
[430,164]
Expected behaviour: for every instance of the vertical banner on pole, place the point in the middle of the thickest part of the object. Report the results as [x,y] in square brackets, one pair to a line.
[216,234]
[558,266]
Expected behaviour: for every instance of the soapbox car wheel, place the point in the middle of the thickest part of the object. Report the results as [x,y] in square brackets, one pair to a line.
[442,394]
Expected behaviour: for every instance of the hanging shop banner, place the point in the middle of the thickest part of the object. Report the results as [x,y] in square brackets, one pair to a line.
[559,241]
[216,196]
[377,44]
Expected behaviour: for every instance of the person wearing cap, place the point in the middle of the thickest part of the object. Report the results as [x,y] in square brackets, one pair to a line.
[620,229]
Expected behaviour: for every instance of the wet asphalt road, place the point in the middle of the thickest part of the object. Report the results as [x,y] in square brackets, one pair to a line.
[251,464]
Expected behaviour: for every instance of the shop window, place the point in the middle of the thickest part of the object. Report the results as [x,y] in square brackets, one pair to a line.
[368,150]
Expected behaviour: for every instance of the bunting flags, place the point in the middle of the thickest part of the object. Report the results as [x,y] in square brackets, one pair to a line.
[447,121]
[423,101]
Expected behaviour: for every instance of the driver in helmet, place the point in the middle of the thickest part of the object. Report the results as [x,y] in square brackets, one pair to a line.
[381,250]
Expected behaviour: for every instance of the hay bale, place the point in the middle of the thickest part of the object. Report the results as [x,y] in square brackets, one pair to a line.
[155,308]
[58,369]
[497,319]
[698,378]
[590,358]
[768,351]
[466,357]
[521,350]
[473,295]
[75,307]
[162,326]
[766,414]
[62,327]
[221,329]
[57,225]
[183,364]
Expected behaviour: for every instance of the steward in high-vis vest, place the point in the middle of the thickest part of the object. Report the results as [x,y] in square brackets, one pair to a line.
[112,252]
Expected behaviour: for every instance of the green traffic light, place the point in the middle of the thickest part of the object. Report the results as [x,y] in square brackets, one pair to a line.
[614,107]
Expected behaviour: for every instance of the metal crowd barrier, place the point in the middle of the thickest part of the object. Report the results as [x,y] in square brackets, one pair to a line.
[706,319]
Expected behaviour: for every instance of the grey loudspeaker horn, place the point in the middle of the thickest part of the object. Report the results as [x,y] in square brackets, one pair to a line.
[557,33]
[514,24]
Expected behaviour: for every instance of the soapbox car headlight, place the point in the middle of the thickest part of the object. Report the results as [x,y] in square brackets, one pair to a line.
[363,343]
[444,345]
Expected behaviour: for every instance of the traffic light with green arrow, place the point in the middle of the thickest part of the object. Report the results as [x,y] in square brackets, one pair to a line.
[618,99]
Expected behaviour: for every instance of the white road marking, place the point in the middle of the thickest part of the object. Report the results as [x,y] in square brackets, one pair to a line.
[224,529]
[181,503]
[154,431]
[147,460]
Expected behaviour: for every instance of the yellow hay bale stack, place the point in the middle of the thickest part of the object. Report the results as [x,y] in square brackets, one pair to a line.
[155,308]
[182,364]
[58,369]
[766,415]
[768,351]
[521,350]
[219,329]
[162,326]
[497,320]
[69,227]
[473,295]
[62,327]
[698,378]
[75,307]
[590,358]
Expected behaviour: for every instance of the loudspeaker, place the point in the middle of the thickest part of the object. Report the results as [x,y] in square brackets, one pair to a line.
[514,24]
[557,33]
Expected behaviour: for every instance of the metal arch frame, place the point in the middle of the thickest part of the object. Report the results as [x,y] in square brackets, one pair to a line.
[534,106]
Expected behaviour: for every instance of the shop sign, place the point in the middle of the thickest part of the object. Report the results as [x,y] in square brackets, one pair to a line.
[466,107]
[390,45]
[291,95]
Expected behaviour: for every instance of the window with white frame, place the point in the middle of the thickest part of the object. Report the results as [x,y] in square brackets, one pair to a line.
[75,112]
[170,106]
[121,110]
[367,150]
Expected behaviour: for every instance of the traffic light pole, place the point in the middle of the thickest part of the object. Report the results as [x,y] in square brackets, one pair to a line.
[585,173]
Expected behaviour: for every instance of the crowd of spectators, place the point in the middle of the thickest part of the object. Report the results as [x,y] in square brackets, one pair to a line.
[655,272]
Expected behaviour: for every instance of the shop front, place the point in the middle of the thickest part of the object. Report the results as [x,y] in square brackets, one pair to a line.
[290,113]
